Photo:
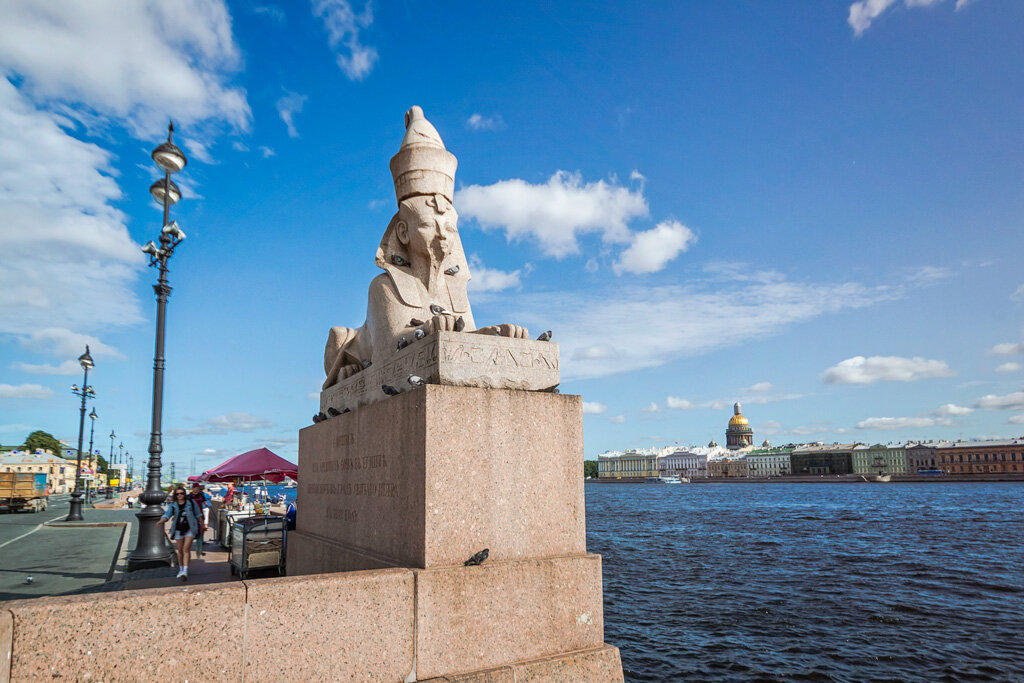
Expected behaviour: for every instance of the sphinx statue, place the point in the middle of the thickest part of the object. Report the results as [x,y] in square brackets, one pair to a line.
[423,287]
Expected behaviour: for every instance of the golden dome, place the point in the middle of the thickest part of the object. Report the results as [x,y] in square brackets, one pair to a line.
[738,421]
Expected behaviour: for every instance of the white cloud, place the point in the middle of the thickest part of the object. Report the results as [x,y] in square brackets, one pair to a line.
[481,122]
[1009,367]
[652,408]
[1013,401]
[618,419]
[62,343]
[953,410]
[287,107]
[593,408]
[675,403]
[65,254]
[676,320]
[223,424]
[1007,349]
[759,388]
[197,150]
[68,367]
[1016,419]
[275,13]
[491,279]
[900,422]
[861,370]
[863,12]
[135,62]
[554,213]
[1018,294]
[927,275]
[343,26]
[267,151]
[239,146]
[24,391]
[651,250]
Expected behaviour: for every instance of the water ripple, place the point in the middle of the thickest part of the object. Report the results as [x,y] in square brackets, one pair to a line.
[749,582]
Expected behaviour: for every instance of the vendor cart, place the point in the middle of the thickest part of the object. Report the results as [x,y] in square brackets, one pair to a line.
[226,522]
[258,543]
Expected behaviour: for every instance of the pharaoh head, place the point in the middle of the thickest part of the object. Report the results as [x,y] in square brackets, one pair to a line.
[425,228]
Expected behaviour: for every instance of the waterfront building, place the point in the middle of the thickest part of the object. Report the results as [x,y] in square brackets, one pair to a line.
[981,457]
[769,462]
[727,467]
[629,464]
[879,459]
[60,474]
[683,463]
[739,433]
[922,457]
[822,459]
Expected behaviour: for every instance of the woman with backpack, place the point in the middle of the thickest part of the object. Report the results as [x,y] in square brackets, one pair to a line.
[187,517]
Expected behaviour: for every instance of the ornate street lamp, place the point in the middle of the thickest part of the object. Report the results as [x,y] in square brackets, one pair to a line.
[109,461]
[151,549]
[120,452]
[86,392]
[92,428]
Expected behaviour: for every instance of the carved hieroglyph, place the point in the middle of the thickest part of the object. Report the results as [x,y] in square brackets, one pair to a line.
[422,290]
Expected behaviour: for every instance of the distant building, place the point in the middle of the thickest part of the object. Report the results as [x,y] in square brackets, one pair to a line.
[628,464]
[769,462]
[683,463]
[922,457]
[60,473]
[981,457]
[738,434]
[728,467]
[822,459]
[879,459]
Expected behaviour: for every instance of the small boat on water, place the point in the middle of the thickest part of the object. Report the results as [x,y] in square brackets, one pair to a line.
[667,480]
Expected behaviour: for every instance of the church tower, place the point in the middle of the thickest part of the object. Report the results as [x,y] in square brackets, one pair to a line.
[739,434]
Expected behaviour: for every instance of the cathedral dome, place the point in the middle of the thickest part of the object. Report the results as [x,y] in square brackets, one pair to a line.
[738,421]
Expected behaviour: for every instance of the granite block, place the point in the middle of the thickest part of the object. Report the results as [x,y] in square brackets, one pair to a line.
[587,666]
[159,633]
[311,554]
[500,675]
[435,474]
[472,618]
[6,644]
[452,359]
[356,626]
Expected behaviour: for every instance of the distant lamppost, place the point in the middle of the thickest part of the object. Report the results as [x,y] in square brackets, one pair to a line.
[92,428]
[120,452]
[86,392]
[151,549]
[110,460]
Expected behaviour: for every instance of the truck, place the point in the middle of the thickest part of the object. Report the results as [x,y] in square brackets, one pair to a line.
[22,491]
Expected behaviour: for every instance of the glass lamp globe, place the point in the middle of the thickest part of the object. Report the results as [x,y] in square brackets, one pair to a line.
[169,157]
[157,190]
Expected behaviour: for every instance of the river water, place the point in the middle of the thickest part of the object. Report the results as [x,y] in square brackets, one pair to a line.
[812,582]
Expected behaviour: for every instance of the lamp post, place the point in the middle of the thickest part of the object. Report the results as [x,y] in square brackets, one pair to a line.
[120,452]
[86,392]
[92,429]
[151,550]
[109,461]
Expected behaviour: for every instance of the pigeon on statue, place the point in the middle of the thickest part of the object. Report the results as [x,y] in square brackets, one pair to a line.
[389,390]
[544,336]
[333,411]
[416,380]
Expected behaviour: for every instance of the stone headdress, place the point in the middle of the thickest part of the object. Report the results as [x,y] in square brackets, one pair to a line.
[423,167]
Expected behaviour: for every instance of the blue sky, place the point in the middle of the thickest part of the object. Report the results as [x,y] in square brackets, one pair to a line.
[813,208]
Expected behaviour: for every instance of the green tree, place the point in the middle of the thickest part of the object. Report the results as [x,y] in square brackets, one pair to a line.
[44,440]
[590,468]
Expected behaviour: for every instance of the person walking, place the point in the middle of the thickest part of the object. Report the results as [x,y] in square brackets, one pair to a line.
[202,499]
[186,515]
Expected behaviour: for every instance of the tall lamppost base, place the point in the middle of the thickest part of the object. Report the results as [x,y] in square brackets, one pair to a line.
[151,548]
[75,514]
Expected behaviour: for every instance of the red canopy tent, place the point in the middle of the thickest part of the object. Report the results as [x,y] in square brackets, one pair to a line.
[258,465]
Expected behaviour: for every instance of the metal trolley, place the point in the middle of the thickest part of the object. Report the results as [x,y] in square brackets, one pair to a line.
[258,543]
